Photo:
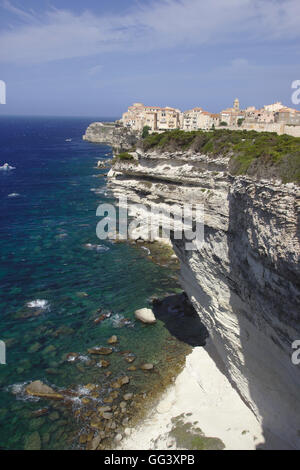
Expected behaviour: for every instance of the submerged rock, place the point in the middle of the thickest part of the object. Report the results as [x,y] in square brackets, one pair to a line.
[120,382]
[34,347]
[103,363]
[33,442]
[40,412]
[145,315]
[130,358]
[147,366]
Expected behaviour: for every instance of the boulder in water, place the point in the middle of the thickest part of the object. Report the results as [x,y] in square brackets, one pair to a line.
[39,389]
[145,315]
[113,339]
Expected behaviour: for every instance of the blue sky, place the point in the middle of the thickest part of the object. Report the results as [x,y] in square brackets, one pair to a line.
[95,57]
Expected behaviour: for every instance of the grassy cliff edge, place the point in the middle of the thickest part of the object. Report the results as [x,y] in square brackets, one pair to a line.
[261,154]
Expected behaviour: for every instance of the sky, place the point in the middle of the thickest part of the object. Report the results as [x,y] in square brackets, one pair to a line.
[96,57]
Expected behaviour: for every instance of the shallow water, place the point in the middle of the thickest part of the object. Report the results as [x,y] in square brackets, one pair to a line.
[53,283]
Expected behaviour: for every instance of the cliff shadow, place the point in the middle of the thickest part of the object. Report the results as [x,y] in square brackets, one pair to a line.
[181,319]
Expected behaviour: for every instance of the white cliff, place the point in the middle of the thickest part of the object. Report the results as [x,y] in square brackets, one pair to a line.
[244,278]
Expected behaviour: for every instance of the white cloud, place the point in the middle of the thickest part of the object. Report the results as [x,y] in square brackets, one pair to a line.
[23,15]
[94,71]
[60,34]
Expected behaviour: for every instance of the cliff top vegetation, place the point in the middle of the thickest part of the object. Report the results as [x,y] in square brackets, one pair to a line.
[261,154]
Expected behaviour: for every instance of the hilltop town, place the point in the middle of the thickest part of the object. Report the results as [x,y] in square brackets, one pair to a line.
[271,118]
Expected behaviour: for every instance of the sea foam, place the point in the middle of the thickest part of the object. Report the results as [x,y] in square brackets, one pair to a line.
[39,303]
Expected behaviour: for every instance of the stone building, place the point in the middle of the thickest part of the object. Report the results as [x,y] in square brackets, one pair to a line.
[197,118]
[232,115]
[191,119]
[155,117]
[288,116]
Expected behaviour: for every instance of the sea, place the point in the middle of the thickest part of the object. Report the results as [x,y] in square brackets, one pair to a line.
[63,291]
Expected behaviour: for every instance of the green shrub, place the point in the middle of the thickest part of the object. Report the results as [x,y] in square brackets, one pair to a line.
[124,156]
[145,132]
[250,152]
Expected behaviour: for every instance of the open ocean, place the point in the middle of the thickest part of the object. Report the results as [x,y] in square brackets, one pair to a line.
[52,285]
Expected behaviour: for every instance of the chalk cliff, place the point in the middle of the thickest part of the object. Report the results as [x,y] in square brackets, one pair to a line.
[244,278]
[111,133]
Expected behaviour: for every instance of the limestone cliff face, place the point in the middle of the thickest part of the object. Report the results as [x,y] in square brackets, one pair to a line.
[111,133]
[243,280]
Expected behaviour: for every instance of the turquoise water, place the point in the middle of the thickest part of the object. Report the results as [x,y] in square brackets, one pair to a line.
[48,216]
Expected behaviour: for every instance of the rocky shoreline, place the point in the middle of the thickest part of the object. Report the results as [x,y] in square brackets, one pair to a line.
[109,411]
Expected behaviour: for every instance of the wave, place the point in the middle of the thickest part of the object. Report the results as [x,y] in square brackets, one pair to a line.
[83,358]
[13,195]
[98,248]
[81,390]
[7,167]
[19,390]
[119,321]
[39,303]
[146,249]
